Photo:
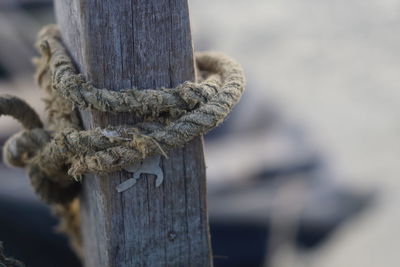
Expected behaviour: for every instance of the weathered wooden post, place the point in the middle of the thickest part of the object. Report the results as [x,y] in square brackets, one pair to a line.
[144,44]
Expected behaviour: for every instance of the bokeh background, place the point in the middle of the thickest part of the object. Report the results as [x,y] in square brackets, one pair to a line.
[304,172]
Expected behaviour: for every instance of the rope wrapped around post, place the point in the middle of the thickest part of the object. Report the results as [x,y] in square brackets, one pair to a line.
[57,157]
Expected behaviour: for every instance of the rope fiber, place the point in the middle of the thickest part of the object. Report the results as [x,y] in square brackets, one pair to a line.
[8,262]
[58,156]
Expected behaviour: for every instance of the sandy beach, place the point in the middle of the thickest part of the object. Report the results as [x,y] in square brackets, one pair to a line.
[333,67]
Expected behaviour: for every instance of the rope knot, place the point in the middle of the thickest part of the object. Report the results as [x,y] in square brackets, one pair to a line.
[23,146]
[171,118]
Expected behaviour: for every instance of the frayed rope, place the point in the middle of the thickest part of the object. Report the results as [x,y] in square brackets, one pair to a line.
[6,261]
[57,157]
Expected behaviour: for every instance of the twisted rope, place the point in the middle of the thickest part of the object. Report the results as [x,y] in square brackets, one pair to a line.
[58,156]
[8,262]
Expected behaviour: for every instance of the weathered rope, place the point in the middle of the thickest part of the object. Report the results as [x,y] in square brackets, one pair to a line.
[6,261]
[171,118]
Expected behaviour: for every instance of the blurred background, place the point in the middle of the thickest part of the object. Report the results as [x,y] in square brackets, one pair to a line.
[313,154]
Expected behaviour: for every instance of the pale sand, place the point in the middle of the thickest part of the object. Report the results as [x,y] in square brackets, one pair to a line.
[334,66]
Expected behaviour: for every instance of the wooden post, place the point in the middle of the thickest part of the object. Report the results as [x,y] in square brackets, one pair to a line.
[143,44]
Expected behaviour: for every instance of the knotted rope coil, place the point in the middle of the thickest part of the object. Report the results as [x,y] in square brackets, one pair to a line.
[58,156]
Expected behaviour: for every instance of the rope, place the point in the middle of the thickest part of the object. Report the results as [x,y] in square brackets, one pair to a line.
[57,157]
[8,262]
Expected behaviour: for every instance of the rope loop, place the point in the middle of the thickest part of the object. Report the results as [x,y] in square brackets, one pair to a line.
[57,157]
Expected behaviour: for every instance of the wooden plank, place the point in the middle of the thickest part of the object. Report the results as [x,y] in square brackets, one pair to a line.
[143,44]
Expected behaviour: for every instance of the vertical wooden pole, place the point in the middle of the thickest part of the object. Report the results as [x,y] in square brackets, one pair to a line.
[143,44]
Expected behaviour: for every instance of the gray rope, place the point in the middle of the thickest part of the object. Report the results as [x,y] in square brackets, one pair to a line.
[172,117]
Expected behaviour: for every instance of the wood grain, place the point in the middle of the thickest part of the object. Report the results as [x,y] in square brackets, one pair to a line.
[143,44]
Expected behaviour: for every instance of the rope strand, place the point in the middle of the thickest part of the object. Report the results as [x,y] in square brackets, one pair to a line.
[57,157]
[171,118]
